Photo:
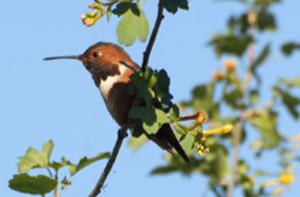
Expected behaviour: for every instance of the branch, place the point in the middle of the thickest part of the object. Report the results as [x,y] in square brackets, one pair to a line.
[236,135]
[123,131]
[122,134]
[153,36]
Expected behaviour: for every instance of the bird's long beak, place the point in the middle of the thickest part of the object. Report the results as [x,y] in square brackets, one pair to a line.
[76,57]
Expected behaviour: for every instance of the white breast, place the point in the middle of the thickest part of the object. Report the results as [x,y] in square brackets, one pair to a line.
[106,85]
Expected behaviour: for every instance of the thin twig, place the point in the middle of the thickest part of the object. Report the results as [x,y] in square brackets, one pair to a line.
[121,136]
[123,131]
[236,135]
[152,39]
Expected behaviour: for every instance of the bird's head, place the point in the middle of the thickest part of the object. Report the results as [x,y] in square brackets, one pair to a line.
[102,59]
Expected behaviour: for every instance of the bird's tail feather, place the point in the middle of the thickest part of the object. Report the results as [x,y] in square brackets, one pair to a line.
[167,140]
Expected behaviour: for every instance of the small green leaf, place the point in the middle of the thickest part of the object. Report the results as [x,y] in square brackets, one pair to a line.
[203,100]
[266,123]
[132,27]
[216,162]
[289,48]
[137,143]
[230,44]
[253,97]
[187,144]
[84,162]
[266,21]
[35,159]
[290,101]
[32,159]
[234,98]
[47,149]
[121,8]
[163,83]
[290,82]
[173,5]
[174,113]
[261,58]
[32,184]
[265,3]
[151,118]
[134,8]
[242,168]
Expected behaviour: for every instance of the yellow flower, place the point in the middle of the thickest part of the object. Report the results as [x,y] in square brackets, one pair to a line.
[89,20]
[252,18]
[286,178]
[221,130]
[230,64]
[201,118]
[202,150]
[217,75]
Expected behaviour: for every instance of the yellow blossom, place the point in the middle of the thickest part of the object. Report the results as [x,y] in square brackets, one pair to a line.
[217,75]
[221,130]
[202,150]
[230,64]
[89,20]
[286,178]
[252,18]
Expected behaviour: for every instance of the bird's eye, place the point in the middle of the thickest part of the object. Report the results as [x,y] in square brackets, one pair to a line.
[95,54]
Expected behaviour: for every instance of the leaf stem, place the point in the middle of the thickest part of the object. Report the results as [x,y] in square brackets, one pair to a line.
[153,36]
[122,134]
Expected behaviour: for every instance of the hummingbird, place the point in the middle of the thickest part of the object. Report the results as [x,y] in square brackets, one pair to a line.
[111,67]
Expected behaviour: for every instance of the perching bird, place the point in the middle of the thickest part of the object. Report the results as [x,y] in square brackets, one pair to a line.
[111,68]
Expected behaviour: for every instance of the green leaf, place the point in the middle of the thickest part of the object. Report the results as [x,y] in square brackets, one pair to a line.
[242,168]
[264,3]
[216,162]
[289,48]
[266,21]
[176,164]
[173,5]
[253,97]
[35,159]
[234,98]
[32,184]
[187,143]
[230,44]
[266,123]
[132,27]
[121,8]
[203,100]
[174,113]
[152,118]
[163,83]
[84,162]
[290,101]
[47,149]
[134,8]
[261,58]
[290,82]
[137,143]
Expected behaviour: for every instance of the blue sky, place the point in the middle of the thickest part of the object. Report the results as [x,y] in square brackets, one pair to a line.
[59,101]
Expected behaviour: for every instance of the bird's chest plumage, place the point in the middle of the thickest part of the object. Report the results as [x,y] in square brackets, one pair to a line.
[114,90]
